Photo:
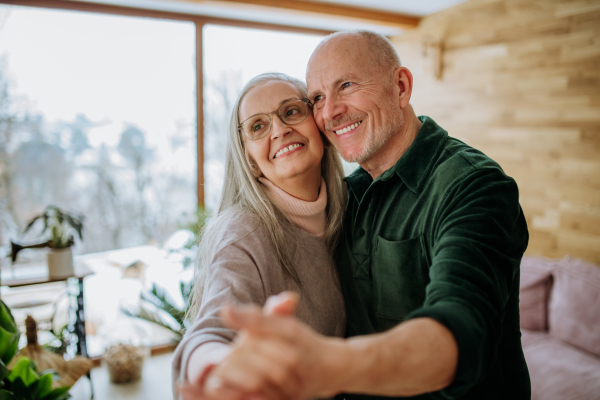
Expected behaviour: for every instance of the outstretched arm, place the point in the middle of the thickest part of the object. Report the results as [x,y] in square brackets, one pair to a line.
[417,356]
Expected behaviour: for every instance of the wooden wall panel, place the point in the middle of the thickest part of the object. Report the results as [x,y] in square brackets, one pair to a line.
[521,82]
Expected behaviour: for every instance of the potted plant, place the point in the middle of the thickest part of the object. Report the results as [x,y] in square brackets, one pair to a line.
[158,307]
[22,381]
[60,228]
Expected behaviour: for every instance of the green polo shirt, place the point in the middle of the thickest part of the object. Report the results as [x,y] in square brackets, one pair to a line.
[440,235]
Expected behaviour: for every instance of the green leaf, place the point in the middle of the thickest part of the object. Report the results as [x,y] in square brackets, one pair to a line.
[5,341]
[60,393]
[23,370]
[162,300]
[186,292]
[6,395]
[7,320]
[4,371]
[9,334]
[9,342]
[42,387]
[20,391]
[12,348]
[31,223]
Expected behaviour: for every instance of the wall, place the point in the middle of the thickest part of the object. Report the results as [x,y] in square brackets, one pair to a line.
[521,82]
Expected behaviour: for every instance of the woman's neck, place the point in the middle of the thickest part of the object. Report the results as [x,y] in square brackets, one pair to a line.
[306,215]
[304,187]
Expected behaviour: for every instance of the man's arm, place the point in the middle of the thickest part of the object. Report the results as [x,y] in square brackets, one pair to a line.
[417,356]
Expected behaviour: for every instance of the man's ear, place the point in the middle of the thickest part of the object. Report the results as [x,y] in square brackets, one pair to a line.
[404,81]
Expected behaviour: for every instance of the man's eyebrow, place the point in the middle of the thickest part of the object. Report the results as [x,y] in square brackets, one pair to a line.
[336,83]
[344,78]
[314,93]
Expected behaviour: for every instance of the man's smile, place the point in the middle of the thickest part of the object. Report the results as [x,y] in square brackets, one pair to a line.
[347,128]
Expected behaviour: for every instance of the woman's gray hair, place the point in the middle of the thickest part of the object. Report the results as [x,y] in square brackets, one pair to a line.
[243,192]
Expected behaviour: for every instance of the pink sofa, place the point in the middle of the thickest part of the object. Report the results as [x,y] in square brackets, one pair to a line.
[560,324]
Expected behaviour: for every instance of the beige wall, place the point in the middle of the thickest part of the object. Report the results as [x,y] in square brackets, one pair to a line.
[521,82]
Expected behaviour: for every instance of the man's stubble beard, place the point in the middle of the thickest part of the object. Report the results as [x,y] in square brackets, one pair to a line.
[378,138]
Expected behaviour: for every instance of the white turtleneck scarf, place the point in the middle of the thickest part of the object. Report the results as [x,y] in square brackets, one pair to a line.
[306,215]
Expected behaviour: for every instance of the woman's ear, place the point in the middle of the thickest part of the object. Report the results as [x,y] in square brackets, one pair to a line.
[253,166]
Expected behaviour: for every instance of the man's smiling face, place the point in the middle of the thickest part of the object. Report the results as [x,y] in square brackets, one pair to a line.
[355,103]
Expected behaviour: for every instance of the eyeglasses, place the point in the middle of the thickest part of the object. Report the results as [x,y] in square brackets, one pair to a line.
[290,113]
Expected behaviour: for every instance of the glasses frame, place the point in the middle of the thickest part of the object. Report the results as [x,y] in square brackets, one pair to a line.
[309,105]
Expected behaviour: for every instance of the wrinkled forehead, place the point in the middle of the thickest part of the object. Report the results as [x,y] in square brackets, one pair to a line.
[347,55]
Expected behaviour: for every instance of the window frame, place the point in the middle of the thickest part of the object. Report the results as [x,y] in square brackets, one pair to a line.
[199,21]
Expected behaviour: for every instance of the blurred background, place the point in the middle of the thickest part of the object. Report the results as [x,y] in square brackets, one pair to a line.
[118,111]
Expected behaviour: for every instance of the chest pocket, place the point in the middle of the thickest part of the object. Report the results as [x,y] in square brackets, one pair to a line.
[400,273]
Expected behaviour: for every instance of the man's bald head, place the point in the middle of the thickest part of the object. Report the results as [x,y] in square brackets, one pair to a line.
[377,49]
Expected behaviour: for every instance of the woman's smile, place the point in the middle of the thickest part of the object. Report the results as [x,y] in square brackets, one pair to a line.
[288,149]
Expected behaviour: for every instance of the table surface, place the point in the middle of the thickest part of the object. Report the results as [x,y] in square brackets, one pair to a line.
[33,275]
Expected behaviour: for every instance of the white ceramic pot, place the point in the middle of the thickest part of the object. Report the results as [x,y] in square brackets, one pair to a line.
[60,262]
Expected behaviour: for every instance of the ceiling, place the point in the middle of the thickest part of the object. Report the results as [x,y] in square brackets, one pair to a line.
[389,17]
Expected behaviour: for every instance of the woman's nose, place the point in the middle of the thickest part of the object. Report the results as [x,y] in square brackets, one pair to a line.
[279,128]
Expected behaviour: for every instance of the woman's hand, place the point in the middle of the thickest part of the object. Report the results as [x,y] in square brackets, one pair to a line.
[246,369]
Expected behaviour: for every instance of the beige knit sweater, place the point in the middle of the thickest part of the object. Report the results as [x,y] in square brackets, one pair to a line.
[245,269]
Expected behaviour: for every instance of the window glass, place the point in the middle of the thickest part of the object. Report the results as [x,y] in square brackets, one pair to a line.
[97,116]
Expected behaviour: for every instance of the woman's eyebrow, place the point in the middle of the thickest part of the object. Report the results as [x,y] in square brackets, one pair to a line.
[282,102]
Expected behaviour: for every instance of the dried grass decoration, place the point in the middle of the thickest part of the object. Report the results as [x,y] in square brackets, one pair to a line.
[68,371]
[124,362]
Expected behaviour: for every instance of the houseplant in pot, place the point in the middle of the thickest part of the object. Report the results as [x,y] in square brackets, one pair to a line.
[22,381]
[60,228]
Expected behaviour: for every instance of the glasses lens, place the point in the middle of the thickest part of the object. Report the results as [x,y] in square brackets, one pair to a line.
[293,112]
[257,126]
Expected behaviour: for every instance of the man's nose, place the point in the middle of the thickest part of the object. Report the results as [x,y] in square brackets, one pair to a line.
[278,128]
[333,109]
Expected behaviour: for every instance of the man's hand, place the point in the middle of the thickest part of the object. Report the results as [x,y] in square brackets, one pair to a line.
[283,305]
[275,356]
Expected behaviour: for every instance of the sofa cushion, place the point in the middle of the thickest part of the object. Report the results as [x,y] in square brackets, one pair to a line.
[536,282]
[574,313]
[559,371]
[529,337]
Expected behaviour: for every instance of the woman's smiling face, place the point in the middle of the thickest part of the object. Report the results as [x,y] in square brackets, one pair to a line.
[288,154]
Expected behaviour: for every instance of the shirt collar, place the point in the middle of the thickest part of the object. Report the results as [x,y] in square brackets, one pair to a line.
[414,165]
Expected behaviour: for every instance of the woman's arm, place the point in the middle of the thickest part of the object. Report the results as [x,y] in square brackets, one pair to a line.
[232,277]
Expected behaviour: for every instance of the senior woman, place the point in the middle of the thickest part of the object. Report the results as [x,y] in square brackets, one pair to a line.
[277,224]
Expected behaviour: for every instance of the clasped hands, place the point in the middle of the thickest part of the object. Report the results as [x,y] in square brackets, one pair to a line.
[274,357]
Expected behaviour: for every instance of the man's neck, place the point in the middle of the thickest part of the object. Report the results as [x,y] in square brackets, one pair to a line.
[389,154]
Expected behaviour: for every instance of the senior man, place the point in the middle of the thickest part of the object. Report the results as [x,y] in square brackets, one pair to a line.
[428,259]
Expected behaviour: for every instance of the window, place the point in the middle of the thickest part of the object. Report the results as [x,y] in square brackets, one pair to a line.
[101,122]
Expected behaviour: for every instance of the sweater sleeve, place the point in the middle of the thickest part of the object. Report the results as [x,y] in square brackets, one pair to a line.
[233,277]
[480,238]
